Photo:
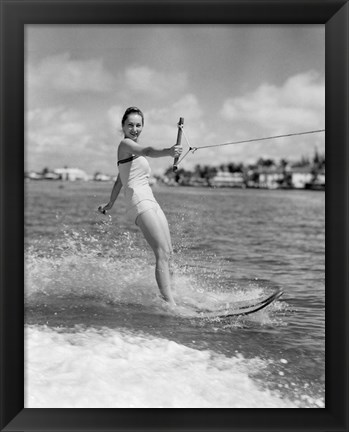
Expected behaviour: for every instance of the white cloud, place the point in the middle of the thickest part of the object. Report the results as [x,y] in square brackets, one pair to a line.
[58,137]
[144,80]
[114,116]
[61,73]
[59,134]
[189,106]
[162,123]
[298,105]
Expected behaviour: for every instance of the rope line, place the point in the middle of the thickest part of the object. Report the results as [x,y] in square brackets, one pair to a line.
[194,149]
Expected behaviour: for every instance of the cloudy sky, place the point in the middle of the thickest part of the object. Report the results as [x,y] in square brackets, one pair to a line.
[229,82]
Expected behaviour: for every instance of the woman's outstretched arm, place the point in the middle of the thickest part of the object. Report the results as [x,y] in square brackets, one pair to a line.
[132,147]
[114,194]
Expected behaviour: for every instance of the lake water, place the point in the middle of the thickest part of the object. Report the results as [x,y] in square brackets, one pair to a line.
[97,334]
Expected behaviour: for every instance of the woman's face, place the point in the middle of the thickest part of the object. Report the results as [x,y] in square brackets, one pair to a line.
[133,126]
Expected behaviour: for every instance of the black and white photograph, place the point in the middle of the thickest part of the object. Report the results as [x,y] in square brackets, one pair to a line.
[174,216]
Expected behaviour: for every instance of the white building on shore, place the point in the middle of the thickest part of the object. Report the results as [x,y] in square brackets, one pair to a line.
[71,174]
[301,177]
[227,179]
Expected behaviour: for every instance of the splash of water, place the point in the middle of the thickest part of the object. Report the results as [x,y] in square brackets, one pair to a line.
[119,269]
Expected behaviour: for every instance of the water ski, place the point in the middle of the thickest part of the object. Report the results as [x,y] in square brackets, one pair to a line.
[240,308]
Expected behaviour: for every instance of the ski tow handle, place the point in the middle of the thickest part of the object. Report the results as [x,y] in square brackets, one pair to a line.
[178,143]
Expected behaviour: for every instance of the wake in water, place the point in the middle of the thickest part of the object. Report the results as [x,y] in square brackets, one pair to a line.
[98,334]
[107,369]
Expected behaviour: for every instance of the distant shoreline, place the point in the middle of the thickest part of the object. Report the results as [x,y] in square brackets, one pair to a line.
[61,183]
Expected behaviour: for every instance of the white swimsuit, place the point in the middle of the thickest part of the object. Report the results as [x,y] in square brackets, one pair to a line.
[134,174]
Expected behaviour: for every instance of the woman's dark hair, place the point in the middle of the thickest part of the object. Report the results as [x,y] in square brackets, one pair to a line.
[132,110]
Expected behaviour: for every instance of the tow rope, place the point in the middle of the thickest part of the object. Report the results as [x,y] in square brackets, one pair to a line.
[194,149]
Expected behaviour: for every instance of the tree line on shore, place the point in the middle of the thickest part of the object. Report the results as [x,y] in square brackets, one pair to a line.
[250,174]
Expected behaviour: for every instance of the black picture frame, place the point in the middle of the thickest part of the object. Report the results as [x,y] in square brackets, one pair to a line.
[14,16]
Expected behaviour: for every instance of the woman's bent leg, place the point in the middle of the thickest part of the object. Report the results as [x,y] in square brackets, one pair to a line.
[152,226]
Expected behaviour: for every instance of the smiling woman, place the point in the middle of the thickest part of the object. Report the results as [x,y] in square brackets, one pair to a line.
[142,207]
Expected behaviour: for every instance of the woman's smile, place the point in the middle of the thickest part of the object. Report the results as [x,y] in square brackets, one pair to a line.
[133,127]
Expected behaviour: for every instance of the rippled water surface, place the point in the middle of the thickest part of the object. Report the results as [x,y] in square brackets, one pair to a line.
[97,334]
